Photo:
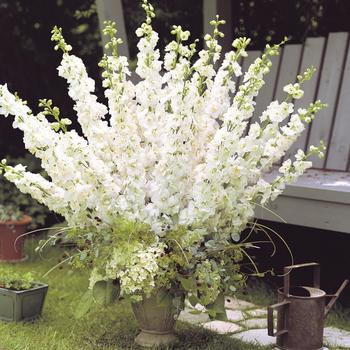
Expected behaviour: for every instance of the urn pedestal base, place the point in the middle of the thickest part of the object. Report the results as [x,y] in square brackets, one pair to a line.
[149,340]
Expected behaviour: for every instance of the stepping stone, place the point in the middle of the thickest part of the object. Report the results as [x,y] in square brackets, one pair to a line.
[237,304]
[335,337]
[187,316]
[257,313]
[254,323]
[198,307]
[256,336]
[235,315]
[222,327]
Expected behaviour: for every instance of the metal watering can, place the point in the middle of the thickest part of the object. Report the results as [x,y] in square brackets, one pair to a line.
[300,312]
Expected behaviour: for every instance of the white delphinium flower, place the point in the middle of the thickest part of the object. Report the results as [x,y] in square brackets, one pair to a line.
[38,187]
[294,90]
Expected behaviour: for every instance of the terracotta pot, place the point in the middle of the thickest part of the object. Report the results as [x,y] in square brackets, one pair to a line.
[157,320]
[11,247]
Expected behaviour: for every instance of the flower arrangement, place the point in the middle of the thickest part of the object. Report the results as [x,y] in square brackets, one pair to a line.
[165,178]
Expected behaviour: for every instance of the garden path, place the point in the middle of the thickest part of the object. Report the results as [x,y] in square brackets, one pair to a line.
[248,322]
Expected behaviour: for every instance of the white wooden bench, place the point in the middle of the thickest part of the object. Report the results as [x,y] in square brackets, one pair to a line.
[321,198]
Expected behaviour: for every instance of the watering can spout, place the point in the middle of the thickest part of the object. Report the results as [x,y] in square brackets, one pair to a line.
[334,297]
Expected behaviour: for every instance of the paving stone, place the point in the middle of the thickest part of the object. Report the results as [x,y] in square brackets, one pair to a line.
[337,337]
[222,327]
[257,313]
[198,307]
[235,315]
[237,304]
[254,323]
[256,336]
[187,316]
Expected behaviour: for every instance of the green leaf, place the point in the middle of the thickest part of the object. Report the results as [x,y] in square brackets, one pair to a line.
[83,255]
[105,292]
[179,303]
[66,121]
[212,313]
[221,316]
[237,277]
[193,300]
[163,298]
[188,284]
[56,112]
[84,305]
[195,312]
[55,126]
[217,308]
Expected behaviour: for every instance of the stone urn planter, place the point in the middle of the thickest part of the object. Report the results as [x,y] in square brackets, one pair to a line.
[11,242]
[22,305]
[157,317]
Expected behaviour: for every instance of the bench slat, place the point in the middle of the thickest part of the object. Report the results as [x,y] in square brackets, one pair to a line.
[312,56]
[288,69]
[340,143]
[328,90]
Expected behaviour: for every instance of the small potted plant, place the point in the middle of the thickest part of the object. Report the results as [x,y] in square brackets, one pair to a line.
[13,224]
[21,298]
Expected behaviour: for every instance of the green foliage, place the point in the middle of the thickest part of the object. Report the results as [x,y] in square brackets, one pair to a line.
[10,213]
[86,13]
[110,30]
[84,305]
[59,39]
[217,308]
[202,272]
[106,292]
[14,204]
[10,279]
[49,110]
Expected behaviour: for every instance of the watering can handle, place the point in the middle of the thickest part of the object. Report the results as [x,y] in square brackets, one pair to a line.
[270,326]
[288,269]
[334,297]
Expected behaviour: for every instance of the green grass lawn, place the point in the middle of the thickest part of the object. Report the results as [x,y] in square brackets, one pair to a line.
[112,328]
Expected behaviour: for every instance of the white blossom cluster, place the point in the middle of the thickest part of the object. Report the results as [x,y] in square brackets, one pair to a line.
[170,150]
